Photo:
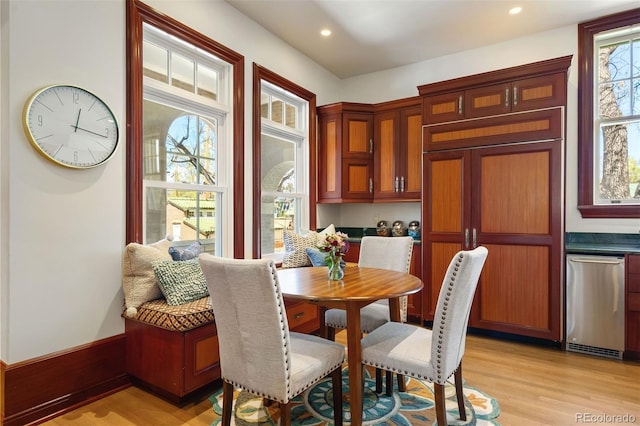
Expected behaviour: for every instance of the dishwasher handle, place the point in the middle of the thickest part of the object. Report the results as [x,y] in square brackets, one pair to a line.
[586,260]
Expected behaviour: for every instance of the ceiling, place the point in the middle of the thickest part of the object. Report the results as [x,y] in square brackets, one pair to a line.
[374,35]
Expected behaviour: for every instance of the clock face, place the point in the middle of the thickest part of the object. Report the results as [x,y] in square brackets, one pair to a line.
[70,126]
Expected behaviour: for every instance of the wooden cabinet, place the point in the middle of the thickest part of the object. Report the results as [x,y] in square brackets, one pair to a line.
[493,176]
[494,96]
[495,99]
[302,317]
[345,153]
[398,151]
[508,199]
[632,302]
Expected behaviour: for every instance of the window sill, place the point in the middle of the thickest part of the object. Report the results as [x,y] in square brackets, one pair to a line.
[610,212]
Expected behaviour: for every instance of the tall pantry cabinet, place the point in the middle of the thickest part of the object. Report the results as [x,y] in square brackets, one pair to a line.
[493,147]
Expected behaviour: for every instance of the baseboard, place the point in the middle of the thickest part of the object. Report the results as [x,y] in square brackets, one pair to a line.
[39,389]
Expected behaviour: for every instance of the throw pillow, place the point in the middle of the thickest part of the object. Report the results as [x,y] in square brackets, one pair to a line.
[317,257]
[180,281]
[138,279]
[294,249]
[185,253]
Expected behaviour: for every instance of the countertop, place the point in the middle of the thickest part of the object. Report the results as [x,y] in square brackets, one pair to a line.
[602,243]
[356,234]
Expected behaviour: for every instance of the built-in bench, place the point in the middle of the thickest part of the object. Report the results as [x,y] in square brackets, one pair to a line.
[173,350]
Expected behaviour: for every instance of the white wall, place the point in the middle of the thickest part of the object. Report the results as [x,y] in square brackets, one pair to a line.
[63,231]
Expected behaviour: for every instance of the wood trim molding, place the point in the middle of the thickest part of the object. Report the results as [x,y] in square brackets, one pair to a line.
[550,66]
[42,388]
[586,67]
[137,13]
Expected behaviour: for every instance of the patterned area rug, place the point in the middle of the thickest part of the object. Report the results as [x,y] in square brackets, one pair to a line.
[414,407]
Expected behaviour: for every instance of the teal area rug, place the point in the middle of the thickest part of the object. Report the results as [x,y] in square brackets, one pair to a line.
[414,407]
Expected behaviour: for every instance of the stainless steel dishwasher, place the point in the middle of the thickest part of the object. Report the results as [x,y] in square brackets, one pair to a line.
[595,305]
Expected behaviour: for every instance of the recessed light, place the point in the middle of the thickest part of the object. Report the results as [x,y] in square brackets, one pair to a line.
[515,10]
[325,32]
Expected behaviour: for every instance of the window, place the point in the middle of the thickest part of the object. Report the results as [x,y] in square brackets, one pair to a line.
[284,119]
[184,134]
[609,117]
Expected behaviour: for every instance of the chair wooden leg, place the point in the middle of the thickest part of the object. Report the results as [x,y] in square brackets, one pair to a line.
[331,333]
[227,403]
[378,380]
[441,412]
[402,386]
[285,414]
[389,382]
[460,393]
[336,382]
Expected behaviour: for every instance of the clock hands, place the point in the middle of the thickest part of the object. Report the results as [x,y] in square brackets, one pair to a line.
[75,128]
[89,131]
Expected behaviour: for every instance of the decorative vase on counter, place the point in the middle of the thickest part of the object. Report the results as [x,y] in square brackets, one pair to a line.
[398,229]
[381,229]
[414,229]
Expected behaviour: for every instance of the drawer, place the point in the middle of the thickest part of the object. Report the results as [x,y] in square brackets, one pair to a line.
[301,313]
[633,302]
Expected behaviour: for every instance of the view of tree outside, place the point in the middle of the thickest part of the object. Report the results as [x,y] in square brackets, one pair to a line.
[619,115]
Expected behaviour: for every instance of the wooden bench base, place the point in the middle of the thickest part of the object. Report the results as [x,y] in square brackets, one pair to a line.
[173,364]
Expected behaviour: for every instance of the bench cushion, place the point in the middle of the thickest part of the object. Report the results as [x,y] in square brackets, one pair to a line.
[179,318]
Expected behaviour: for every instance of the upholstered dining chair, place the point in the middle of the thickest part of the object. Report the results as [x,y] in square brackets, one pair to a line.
[392,253]
[257,352]
[433,355]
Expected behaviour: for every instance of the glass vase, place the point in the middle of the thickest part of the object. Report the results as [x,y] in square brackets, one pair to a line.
[336,269]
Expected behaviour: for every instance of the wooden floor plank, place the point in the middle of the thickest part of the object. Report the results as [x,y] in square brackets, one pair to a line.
[534,385]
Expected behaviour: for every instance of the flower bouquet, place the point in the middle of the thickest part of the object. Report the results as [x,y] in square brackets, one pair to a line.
[335,246]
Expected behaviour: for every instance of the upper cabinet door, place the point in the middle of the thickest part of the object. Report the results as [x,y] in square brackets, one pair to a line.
[357,135]
[345,157]
[411,153]
[442,108]
[398,154]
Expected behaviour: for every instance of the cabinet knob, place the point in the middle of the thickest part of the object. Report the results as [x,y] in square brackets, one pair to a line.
[515,96]
[506,97]
[402,184]
[460,105]
[396,185]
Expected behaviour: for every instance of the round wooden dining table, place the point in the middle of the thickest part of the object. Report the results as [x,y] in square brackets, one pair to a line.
[358,288]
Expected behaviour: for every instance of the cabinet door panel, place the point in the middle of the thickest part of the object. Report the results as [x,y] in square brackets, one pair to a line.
[441,108]
[386,155]
[515,192]
[438,261]
[444,218]
[515,206]
[359,179]
[539,92]
[514,288]
[445,189]
[358,135]
[329,155]
[487,100]
[411,152]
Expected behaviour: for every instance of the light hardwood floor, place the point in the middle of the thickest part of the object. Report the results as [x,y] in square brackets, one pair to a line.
[534,385]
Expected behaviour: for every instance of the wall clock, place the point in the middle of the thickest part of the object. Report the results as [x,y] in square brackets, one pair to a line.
[70,126]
